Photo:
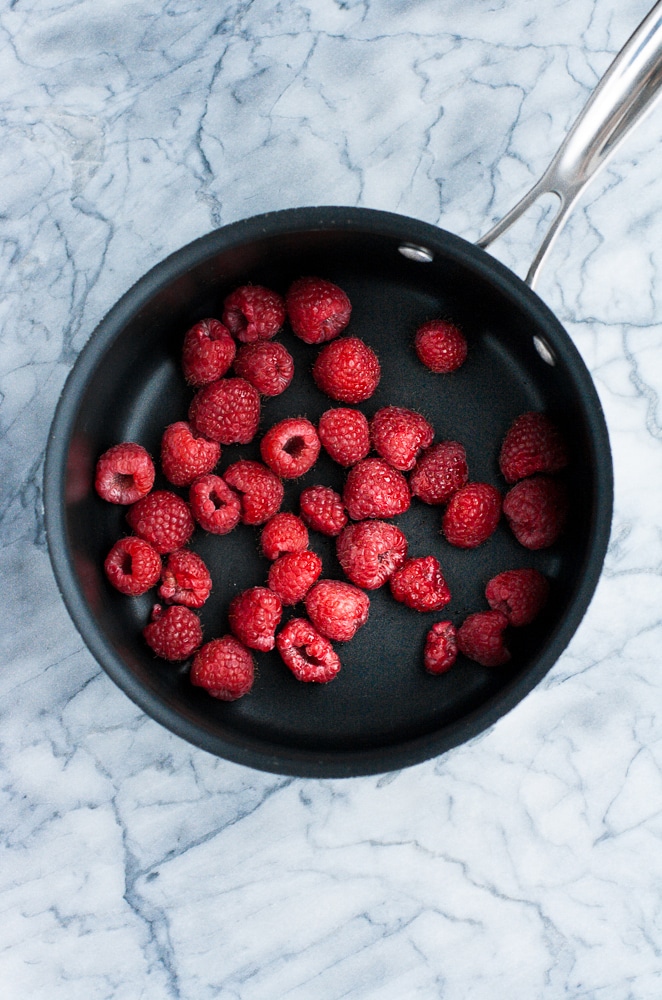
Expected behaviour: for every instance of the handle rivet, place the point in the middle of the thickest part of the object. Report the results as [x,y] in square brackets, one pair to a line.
[544,350]
[420,254]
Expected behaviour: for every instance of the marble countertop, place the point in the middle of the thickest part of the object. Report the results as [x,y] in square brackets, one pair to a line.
[526,863]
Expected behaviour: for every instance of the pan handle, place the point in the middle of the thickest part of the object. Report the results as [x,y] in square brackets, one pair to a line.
[623,96]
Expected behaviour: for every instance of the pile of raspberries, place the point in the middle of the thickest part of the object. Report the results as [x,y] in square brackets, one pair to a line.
[230,364]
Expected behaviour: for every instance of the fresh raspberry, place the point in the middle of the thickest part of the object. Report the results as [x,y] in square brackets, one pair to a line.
[185,579]
[215,506]
[322,510]
[347,370]
[291,576]
[318,310]
[519,593]
[439,472]
[291,447]
[163,519]
[253,313]
[370,551]
[133,566]
[440,650]
[254,616]
[536,510]
[532,444]
[472,515]
[337,609]
[398,434]
[420,585]
[308,654]
[224,668]
[283,533]
[125,473]
[185,454]
[174,633]
[374,489]
[227,411]
[267,365]
[480,637]
[261,492]
[345,435]
[440,345]
[207,353]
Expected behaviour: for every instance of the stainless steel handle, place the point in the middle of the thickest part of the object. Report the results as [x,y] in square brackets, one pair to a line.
[625,93]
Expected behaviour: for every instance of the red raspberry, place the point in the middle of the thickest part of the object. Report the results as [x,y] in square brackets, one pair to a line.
[398,434]
[185,455]
[322,510]
[124,473]
[420,585]
[185,579]
[440,345]
[374,489]
[480,637]
[532,444]
[440,650]
[133,566]
[253,313]
[536,510]
[472,515]
[227,411]
[309,655]
[347,370]
[370,551]
[254,616]
[174,633]
[215,506]
[163,519]
[318,310]
[224,668]
[208,352]
[337,609]
[519,593]
[291,447]
[267,365]
[345,434]
[283,533]
[291,576]
[439,472]
[261,492]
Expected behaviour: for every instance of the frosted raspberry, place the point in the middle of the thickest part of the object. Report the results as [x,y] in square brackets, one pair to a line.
[283,533]
[322,510]
[440,471]
[254,616]
[398,434]
[163,519]
[133,566]
[519,593]
[224,668]
[440,650]
[347,370]
[345,435]
[472,515]
[174,633]
[291,447]
[253,312]
[124,473]
[533,444]
[480,637]
[185,454]
[441,346]
[337,609]
[370,551]
[207,353]
[291,576]
[215,506]
[260,491]
[185,579]
[537,511]
[227,411]
[375,489]
[420,585]
[318,310]
[267,365]
[308,654]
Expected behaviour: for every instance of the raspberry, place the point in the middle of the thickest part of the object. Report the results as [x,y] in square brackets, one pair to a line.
[254,616]
[291,447]
[124,473]
[439,472]
[532,444]
[163,519]
[472,515]
[185,579]
[519,593]
[261,492]
[345,435]
[291,576]
[224,668]
[322,510]
[283,533]
[185,455]
[267,365]
[133,566]
[227,411]
[309,655]
[253,313]
[480,637]
[440,650]
[374,489]
[337,609]
[174,633]
[318,310]
[440,345]
[370,551]
[536,510]
[420,585]
[347,370]
[215,506]
[398,434]
[207,353]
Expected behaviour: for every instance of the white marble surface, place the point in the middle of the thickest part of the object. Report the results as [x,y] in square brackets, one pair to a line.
[525,864]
